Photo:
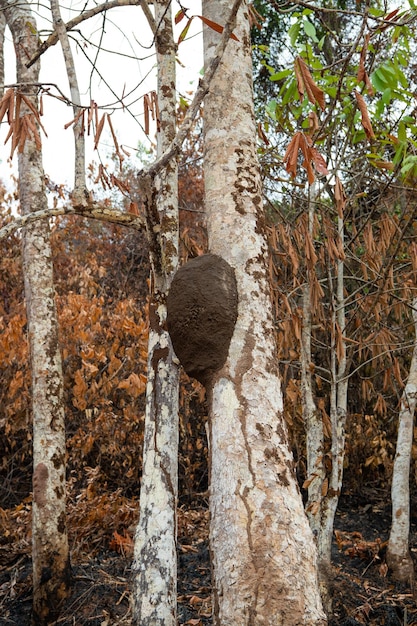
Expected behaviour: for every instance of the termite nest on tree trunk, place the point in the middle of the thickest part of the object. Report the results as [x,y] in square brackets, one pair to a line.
[201,314]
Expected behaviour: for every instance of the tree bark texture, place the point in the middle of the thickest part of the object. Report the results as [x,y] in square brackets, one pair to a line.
[49,530]
[398,554]
[312,418]
[155,554]
[2,32]
[263,553]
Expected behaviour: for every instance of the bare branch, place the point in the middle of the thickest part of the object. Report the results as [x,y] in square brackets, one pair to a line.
[148,15]
[94,211]
[80,185]
[82,17]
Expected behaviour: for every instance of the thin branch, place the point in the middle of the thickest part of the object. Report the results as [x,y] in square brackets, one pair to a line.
[145,8]
[82,17]
[80,185]
[93,211]
[98,211]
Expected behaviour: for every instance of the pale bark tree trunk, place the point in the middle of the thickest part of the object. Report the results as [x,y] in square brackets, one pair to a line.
[155,555]
[338,412]
[313,421]
[398,554]
[49,531]
[263,553]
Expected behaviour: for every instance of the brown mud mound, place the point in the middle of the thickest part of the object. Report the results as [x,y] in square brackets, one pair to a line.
[202,312]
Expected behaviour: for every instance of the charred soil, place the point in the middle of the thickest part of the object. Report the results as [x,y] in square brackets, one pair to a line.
[362,589]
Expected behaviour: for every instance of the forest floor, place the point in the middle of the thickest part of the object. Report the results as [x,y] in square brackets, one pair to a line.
[362,590]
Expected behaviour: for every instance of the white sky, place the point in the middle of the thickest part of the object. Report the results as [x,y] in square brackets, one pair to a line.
[127,37]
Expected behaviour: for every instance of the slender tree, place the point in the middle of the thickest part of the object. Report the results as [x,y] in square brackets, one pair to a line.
[263,553]
[155,558]
[398,553]
[51,574]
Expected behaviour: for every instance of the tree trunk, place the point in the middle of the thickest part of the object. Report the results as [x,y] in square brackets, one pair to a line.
[155,556]
[338,413]
[263,553]
[398,554]
[2,33]
[50,556]
[312,418]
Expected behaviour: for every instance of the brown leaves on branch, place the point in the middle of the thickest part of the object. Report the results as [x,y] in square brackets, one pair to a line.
[22,125]
[304,144]
[213,25]
[96,125]
[362,75]
[306,84]
[366,122]
[151,109]
[340,197]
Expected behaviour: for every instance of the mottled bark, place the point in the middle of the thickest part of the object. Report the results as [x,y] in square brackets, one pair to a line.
[49,532]
[312,418]
[2,31]
[263,553]
[155,558]
[338,412]
[398,554]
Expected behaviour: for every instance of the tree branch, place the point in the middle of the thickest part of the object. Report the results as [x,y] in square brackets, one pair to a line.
[82,17]
[80,185]
[97,211]
[94,211]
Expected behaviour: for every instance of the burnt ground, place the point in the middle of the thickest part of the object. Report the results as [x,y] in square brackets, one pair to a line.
[362,590]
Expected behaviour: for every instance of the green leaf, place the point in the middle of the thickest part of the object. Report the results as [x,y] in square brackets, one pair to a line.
[271,108]
[409,163]
[376,12]
[294,32]
[310,30]
[402,132]
[378,80]
[400,152]
[280,75]
[288,91]
[386,96]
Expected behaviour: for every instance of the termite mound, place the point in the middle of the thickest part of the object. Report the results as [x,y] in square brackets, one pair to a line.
[201,314]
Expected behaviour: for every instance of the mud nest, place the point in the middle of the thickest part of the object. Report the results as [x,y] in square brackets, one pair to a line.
[202,312]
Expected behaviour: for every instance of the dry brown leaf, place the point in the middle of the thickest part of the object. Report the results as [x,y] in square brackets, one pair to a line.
[215,26]
[340,197]
[291,155]
[340,344]
[313,122]
[99,130]
[319,162]
[305,83]
[384,165]
[362,75]
[366,122]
